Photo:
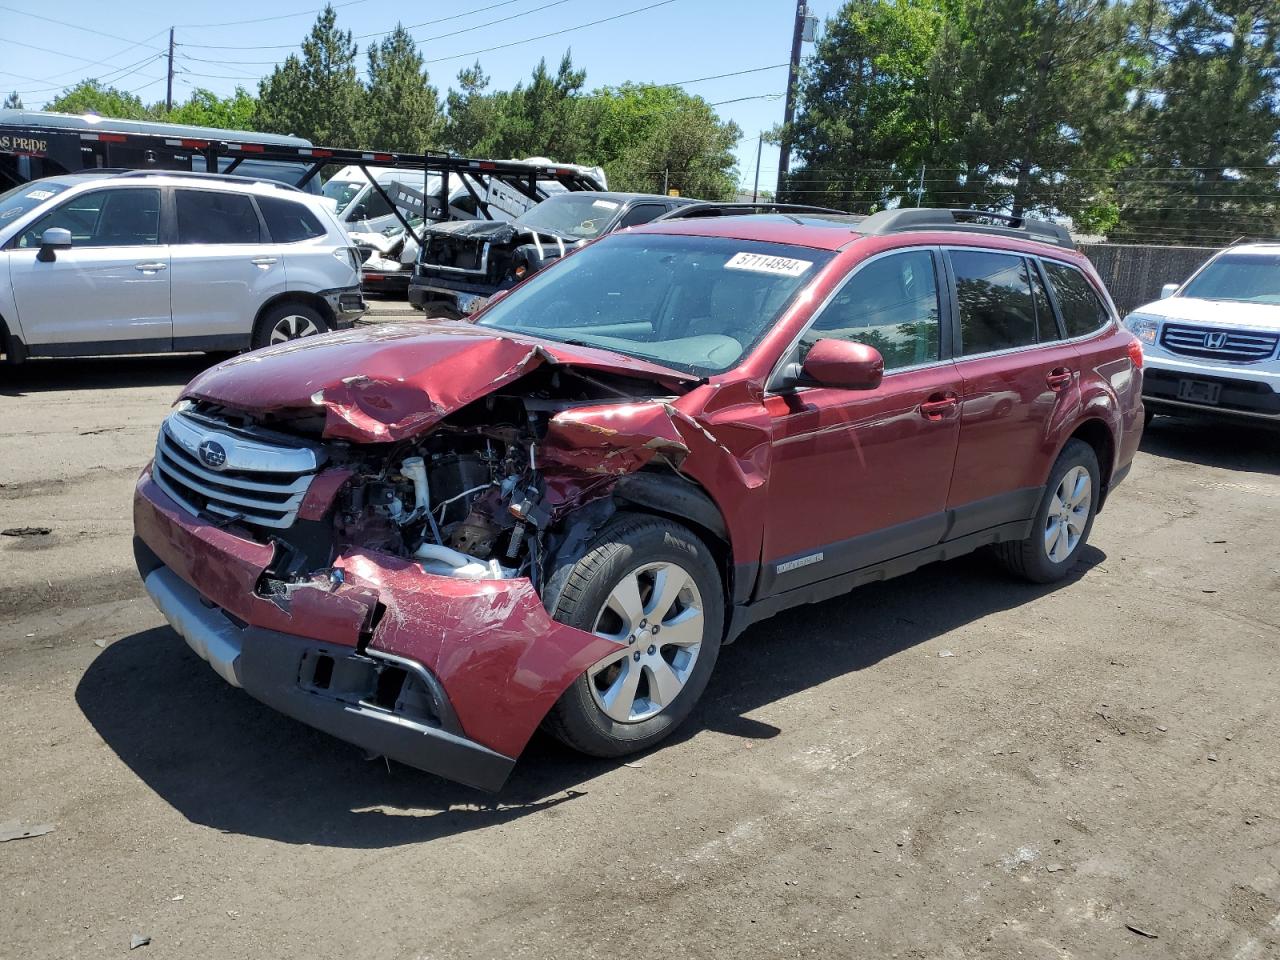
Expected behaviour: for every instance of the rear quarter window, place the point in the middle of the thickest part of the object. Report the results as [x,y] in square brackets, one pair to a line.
[1082,310]
[289,221]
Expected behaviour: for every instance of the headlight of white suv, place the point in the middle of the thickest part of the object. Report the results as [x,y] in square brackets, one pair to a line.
[1142,327]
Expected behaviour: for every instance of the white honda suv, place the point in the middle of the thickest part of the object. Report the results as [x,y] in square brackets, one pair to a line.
[153,261]
[1213,344]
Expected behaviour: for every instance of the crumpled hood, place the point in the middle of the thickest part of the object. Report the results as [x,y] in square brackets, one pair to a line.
[393,381]
[496,231]
[1219,313]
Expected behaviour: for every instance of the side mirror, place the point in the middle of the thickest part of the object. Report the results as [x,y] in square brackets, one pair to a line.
[55,238]
[1168,290]
[844,364]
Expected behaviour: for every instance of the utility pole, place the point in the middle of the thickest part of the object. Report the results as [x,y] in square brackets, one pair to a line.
[168,95]
[797,38]
[755,193]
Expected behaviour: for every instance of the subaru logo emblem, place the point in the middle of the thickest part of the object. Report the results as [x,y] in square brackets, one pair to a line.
[1215,341]
[212,454]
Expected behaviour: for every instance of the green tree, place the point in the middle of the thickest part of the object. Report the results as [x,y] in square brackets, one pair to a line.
[471,126]
[90,96]
[869,113]
[402,109]
[1208,131]
[204,108]
[317,95]
[1035,84]
[647,137]
[13,101]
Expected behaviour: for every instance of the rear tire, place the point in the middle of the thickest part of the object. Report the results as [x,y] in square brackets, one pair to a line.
[644,581]
[1063,520]
[287,321]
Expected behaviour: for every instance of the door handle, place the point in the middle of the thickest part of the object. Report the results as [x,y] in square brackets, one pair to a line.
[263,261]
[151,267]
[1059,378]
[939,405]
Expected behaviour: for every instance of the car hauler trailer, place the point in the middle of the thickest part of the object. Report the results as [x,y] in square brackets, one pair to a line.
[436,186]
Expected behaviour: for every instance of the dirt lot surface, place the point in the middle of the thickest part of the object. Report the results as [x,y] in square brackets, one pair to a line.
[949,765]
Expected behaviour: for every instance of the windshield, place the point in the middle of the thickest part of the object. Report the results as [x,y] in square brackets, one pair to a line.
[693,303]
[343,191]
[1242,277]
[582,216]
[14,203]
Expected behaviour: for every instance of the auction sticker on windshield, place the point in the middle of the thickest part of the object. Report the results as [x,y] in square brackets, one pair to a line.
[759,263]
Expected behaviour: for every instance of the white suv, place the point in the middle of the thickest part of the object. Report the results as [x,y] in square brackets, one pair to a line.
[147,262]
[1213,344]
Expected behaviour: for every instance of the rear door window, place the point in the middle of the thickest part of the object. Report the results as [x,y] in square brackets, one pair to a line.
[891,304]
[210,216]
[1046,323]
[1082,310]
[993,292]
[289,221]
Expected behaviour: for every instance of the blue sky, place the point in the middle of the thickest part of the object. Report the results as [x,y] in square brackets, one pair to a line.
[678,40]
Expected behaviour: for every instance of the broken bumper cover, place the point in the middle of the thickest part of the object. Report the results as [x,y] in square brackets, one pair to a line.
[346,304]
[445,675]
[326,686]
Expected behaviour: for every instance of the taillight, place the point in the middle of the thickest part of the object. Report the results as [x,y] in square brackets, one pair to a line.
[1135,352]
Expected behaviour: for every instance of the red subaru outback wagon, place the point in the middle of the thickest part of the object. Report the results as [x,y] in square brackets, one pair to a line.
[428,539]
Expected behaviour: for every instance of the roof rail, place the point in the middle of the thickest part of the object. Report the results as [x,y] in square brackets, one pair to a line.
[709,209]
[203,175]
[926,218]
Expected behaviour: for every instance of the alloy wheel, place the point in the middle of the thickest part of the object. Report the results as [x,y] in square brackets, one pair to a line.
[1068,514]
[656,611]
[293,327]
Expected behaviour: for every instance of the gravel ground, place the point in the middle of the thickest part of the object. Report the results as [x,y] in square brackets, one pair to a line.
[948,765]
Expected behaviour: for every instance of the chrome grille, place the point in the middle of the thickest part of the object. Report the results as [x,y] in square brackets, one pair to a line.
[1235,346]
[259,482]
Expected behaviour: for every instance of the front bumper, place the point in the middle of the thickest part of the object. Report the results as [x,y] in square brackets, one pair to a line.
[1249,397]
[332,688]
[346,304]
[445,675]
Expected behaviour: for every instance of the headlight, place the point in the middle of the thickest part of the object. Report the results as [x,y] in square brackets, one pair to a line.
[1144,328]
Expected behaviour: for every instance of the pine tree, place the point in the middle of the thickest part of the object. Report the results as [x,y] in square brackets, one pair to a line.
[1209,131]
[13,101]
[317,95]
[402,110]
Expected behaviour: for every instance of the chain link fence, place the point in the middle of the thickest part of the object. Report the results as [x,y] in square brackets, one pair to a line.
[1135,273]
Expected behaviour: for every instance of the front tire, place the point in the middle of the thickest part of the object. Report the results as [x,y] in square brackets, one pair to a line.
[287,321]
[1062,521]
[654,587]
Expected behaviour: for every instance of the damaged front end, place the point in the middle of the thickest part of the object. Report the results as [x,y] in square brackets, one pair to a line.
[374,559]
[467,261]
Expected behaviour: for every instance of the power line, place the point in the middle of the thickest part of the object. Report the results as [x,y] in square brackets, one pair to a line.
[440,36]
[721,76]
[361,36]
[282,16]
[760,96]
[76,26]
[554,33]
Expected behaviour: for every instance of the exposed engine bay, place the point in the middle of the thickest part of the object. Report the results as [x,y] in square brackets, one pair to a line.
[485,494]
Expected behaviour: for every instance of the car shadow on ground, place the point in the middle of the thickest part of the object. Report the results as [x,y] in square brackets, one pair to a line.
[225,761]
[102,373]
[1229,445]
